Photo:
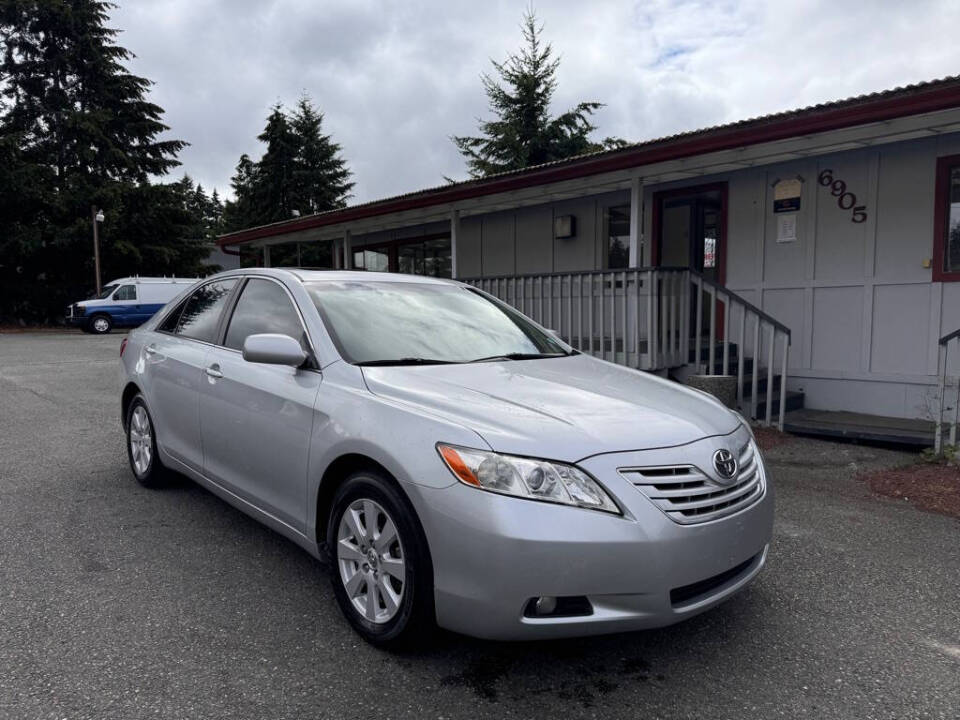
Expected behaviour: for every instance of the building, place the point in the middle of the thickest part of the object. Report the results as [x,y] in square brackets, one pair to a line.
[821,245]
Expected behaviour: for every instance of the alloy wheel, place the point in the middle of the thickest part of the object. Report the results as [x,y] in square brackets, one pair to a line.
[141,440]
[371,560]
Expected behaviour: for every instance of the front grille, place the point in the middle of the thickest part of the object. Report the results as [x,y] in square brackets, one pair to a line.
[688,495]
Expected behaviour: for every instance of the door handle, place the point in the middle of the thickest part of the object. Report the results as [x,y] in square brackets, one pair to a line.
[150,350]
[214,371]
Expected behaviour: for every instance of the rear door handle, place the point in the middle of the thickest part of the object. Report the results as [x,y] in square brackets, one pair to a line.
[214,371]
[150,350]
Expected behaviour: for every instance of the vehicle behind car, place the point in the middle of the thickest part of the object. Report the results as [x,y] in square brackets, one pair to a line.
[125,302]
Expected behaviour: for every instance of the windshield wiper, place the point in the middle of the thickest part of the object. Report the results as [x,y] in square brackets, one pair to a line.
[406,361]
[520,356]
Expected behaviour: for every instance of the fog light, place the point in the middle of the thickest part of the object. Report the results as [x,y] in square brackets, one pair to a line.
[548,606]
[545,605]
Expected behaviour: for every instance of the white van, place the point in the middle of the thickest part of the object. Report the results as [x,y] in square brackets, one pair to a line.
[125,302]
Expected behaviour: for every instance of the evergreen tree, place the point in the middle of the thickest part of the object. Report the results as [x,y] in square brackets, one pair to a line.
[523,133]
[272,193]
[301,170]
[238,213]
[79,133]
[321,179]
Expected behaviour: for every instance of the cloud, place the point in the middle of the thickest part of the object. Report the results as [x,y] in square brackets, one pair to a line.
[396,79]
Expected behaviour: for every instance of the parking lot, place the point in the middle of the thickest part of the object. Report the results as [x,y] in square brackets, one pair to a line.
[120,602]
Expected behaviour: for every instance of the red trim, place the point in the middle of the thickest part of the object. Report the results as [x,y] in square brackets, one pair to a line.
[886,106]
[940,218]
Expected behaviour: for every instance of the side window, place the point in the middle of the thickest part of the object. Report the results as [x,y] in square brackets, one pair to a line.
[201,314]
[169,324]
[126,292]
[263,307]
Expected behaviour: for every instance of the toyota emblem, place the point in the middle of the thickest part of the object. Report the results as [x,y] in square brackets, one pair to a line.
[725,464]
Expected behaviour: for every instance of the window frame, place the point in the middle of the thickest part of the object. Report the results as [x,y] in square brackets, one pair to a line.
[941,216]
[606,237]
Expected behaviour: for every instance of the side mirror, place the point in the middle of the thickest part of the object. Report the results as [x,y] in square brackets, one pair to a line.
[273,349]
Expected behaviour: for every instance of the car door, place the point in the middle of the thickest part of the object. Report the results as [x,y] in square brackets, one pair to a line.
[127,311]
[256,419]
[175,356]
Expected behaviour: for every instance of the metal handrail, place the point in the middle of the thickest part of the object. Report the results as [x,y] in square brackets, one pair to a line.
[947,338]
[746,303]
[942,357]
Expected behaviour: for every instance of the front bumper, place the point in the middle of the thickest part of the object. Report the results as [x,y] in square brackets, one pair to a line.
[493,553]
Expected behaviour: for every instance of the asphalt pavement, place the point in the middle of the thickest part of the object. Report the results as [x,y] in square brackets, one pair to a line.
[121,602]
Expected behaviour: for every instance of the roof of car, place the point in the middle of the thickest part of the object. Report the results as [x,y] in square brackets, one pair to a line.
[361,276]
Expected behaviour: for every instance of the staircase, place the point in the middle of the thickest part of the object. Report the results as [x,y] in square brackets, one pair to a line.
[794,399]
[671,321]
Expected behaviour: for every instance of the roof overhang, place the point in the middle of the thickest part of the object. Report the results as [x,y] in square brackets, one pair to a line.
[895,116]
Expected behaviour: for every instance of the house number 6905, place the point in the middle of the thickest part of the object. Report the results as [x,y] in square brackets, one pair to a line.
[846,200]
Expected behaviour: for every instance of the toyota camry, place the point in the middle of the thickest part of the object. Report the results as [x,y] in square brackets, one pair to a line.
[457,464]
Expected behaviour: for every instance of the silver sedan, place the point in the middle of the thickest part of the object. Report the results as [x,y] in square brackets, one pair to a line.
[457,463]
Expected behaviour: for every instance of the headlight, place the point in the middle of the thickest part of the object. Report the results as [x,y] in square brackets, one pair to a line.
[534,479]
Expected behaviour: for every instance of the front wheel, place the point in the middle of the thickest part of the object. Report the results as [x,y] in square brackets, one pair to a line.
[382,575]
[100,324]
[142,445]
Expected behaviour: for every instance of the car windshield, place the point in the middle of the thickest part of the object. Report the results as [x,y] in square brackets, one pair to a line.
[411,323]
[106,292]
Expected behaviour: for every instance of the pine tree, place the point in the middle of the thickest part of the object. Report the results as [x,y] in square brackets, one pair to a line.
[301,170]
[80,134]
[523,132]
[321,178]
[272,193]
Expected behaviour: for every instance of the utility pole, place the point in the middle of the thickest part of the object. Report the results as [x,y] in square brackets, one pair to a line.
[97,217]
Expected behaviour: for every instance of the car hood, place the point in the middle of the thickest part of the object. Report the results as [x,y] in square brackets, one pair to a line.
[559,408]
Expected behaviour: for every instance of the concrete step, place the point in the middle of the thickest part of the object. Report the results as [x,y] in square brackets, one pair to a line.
[794,402]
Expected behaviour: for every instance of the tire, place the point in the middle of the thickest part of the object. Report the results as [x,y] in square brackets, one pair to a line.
[100,324]
[401,611]
[142,445]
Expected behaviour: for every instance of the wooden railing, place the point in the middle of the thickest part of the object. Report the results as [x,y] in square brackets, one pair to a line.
[655,319]
[943,356]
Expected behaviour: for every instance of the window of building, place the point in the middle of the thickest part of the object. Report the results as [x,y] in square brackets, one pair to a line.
[263,307]
[201,314]
[416,256]
[126,292]
[946,246]
[618,237]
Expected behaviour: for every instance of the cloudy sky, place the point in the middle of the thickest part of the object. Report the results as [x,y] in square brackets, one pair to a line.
[396,78]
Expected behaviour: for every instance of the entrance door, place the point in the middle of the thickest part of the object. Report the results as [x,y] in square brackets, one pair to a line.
[689,230]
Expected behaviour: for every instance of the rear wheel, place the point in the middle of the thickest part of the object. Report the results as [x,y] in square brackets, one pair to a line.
[382,574]
[100,324]
[142,445]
